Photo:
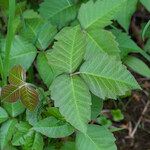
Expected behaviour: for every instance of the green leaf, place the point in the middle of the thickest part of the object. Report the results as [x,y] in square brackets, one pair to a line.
[54,111]
[47,73]
[22,128]
[126,12]
[29,97]
[101,41]
[9,38]
[38,143]
[3,115]
[68,146]
[6,132]
[107,77]
[39,32]
[17,76]
[73,100]
[10,93]
[69,49]
[145,30]
[34,116]
[28,140]
[97,105]
[22,53]
[96,138]
[14,109]
[146,4]
[138,66]
[117,115]
[98,14]
[104,121]
[147,46]
[30,14]
[58,12]
[126,45]
[53,128]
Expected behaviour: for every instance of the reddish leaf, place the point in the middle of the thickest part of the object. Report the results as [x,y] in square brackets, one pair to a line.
[29,97]
[17,76]
[10,93]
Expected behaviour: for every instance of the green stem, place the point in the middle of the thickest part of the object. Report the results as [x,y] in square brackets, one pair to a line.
[9,39]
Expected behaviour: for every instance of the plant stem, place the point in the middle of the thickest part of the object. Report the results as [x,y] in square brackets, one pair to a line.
[76,73]
[9,39]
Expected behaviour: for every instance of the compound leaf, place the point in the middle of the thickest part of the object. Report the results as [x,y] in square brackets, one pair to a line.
[73,100]
[53,128]
[96,138]
[107,77]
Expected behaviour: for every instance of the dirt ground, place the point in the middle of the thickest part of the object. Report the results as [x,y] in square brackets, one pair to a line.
[136,135]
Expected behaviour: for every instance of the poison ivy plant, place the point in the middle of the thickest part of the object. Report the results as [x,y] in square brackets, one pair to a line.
[19,89]
[75,54]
